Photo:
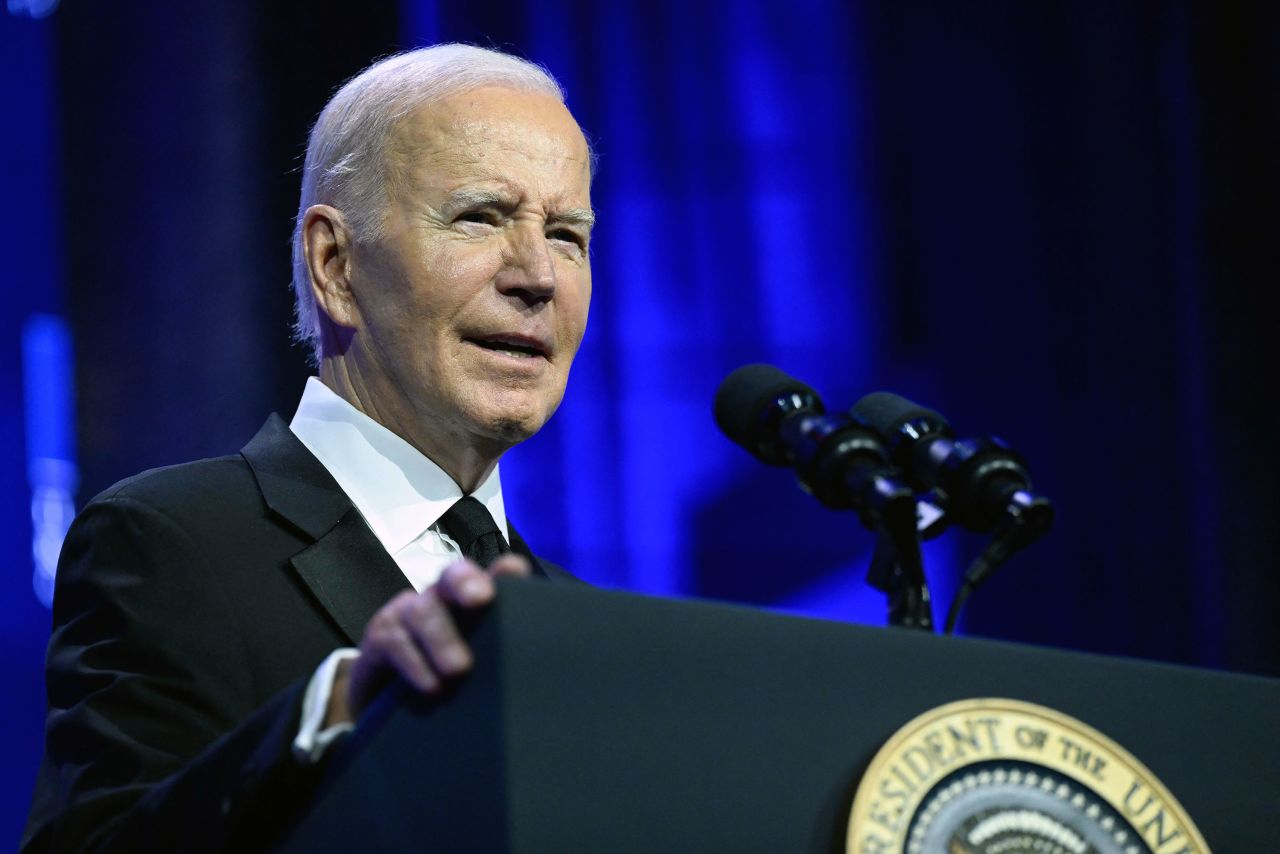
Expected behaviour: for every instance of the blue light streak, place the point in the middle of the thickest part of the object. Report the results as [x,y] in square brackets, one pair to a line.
[32,8]
[48,382]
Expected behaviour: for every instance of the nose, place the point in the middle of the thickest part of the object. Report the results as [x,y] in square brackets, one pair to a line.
[528,270]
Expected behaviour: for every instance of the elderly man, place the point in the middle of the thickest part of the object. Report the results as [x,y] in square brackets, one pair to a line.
[207,616]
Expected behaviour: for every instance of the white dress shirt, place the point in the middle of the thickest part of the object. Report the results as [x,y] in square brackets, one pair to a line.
[398,491]
[401,495]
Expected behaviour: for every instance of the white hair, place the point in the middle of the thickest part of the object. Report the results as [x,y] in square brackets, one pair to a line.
[347,163]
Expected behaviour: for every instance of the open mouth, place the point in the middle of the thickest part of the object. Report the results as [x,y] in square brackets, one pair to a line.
[521,348]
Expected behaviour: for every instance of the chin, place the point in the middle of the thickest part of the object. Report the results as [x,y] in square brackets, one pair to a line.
[512,431]
[510,422]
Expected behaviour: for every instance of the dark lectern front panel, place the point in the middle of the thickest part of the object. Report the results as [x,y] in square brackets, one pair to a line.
[599,721]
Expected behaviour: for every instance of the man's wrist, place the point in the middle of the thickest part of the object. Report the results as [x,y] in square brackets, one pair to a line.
[315,734]
[339,707]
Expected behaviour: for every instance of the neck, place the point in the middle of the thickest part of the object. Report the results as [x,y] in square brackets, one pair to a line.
[467,461]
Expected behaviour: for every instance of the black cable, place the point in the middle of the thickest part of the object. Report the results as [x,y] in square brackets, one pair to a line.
[1012,539]
[979,567]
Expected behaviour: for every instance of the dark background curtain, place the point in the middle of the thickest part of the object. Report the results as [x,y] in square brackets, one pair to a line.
[1052,221]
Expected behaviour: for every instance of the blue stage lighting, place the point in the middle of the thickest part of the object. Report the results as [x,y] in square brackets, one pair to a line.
[51,469]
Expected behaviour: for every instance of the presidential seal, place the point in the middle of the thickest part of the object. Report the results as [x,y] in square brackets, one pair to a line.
[994,776]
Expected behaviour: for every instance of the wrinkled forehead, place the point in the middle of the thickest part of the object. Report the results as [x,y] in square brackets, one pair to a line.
[499,133]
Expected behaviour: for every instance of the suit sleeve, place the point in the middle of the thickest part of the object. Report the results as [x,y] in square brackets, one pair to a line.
[155,736]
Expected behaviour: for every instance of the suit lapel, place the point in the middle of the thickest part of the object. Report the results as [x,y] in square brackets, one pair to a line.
[351,574]
[346,568]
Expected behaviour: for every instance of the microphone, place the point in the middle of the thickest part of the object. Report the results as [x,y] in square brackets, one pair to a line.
[842,463]
[984,484]
[782,422]
[983,481]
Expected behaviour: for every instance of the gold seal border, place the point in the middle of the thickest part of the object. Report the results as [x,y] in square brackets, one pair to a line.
[1111,772]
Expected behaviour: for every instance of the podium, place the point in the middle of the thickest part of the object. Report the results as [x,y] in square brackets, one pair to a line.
[598,721]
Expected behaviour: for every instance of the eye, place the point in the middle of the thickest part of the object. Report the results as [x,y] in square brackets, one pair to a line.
[568,235]
[482,216]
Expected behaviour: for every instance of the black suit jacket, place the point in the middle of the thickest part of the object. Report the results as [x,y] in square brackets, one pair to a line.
[192,605]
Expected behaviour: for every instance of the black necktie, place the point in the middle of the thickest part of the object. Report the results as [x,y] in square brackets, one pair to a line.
[469,524]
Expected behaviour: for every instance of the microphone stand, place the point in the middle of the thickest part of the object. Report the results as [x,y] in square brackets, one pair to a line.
[897,568]
[842,464]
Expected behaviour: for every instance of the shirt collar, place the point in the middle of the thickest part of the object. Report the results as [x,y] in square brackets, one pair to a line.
[400,492]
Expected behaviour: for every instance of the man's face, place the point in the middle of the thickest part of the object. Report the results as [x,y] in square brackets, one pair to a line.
[473,304]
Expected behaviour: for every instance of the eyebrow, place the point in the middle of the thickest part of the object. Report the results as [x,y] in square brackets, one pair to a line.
[464,199]
[460,200]
[574,216]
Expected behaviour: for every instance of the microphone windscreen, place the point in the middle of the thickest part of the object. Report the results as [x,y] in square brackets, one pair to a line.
[886,412]
[745,394]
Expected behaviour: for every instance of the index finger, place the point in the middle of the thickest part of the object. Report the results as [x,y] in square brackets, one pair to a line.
[465,584]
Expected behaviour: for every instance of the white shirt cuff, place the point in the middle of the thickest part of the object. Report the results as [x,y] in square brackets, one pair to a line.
[312,742]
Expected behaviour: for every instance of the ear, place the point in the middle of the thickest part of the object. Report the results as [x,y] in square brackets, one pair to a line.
[327,245]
